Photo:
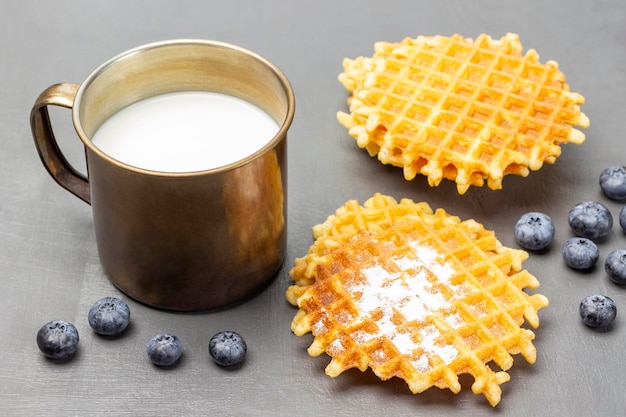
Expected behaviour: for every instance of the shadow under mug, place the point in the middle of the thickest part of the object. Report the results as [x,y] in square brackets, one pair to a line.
[178,241]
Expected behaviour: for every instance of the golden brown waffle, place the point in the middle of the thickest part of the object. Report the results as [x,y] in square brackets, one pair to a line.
[414,294]
[468,111]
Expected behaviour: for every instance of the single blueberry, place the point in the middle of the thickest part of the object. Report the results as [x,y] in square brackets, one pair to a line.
[615,266]
[534,231]
[597,311]
[58,339]
[622,218]
[109,316]
[590,219]
[164,349]
[580,253]
[613,182]
[227,348]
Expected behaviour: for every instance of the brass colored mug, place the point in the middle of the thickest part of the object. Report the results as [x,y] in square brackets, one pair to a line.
[183,241]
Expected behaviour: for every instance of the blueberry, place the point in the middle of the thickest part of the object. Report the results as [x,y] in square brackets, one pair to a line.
[590,219]
[164,349]
[534,231]
[109,316]
[622,218]
[580,253]
[613,182]
[227,348]
[58,339]
[615,266]
[597,311]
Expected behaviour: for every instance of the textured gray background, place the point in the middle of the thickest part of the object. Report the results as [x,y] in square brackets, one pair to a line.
[49,266]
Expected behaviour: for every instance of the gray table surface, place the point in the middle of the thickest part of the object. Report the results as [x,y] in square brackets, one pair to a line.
[49,265]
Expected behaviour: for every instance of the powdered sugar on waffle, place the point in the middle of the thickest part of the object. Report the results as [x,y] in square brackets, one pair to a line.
[416,294]
[410,293]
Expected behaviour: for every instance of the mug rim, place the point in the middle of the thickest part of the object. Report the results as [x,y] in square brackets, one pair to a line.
[279,136]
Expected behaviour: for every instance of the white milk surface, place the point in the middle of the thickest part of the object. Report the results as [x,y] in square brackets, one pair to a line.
[185,132]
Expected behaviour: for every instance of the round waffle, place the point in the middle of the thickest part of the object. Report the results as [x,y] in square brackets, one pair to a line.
[414,294]
[469,111]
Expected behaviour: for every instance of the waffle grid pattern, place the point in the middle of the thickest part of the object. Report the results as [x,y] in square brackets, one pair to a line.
[470,316]
[468,111]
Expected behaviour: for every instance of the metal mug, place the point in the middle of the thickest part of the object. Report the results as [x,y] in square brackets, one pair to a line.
[178,241]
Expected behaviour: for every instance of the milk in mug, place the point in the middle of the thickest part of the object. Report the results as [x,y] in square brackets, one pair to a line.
[185,132]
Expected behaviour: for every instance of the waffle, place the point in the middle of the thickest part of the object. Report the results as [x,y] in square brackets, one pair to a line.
[464,110]
[414,294]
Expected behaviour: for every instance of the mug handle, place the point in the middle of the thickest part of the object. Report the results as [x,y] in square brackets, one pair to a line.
[56,164]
